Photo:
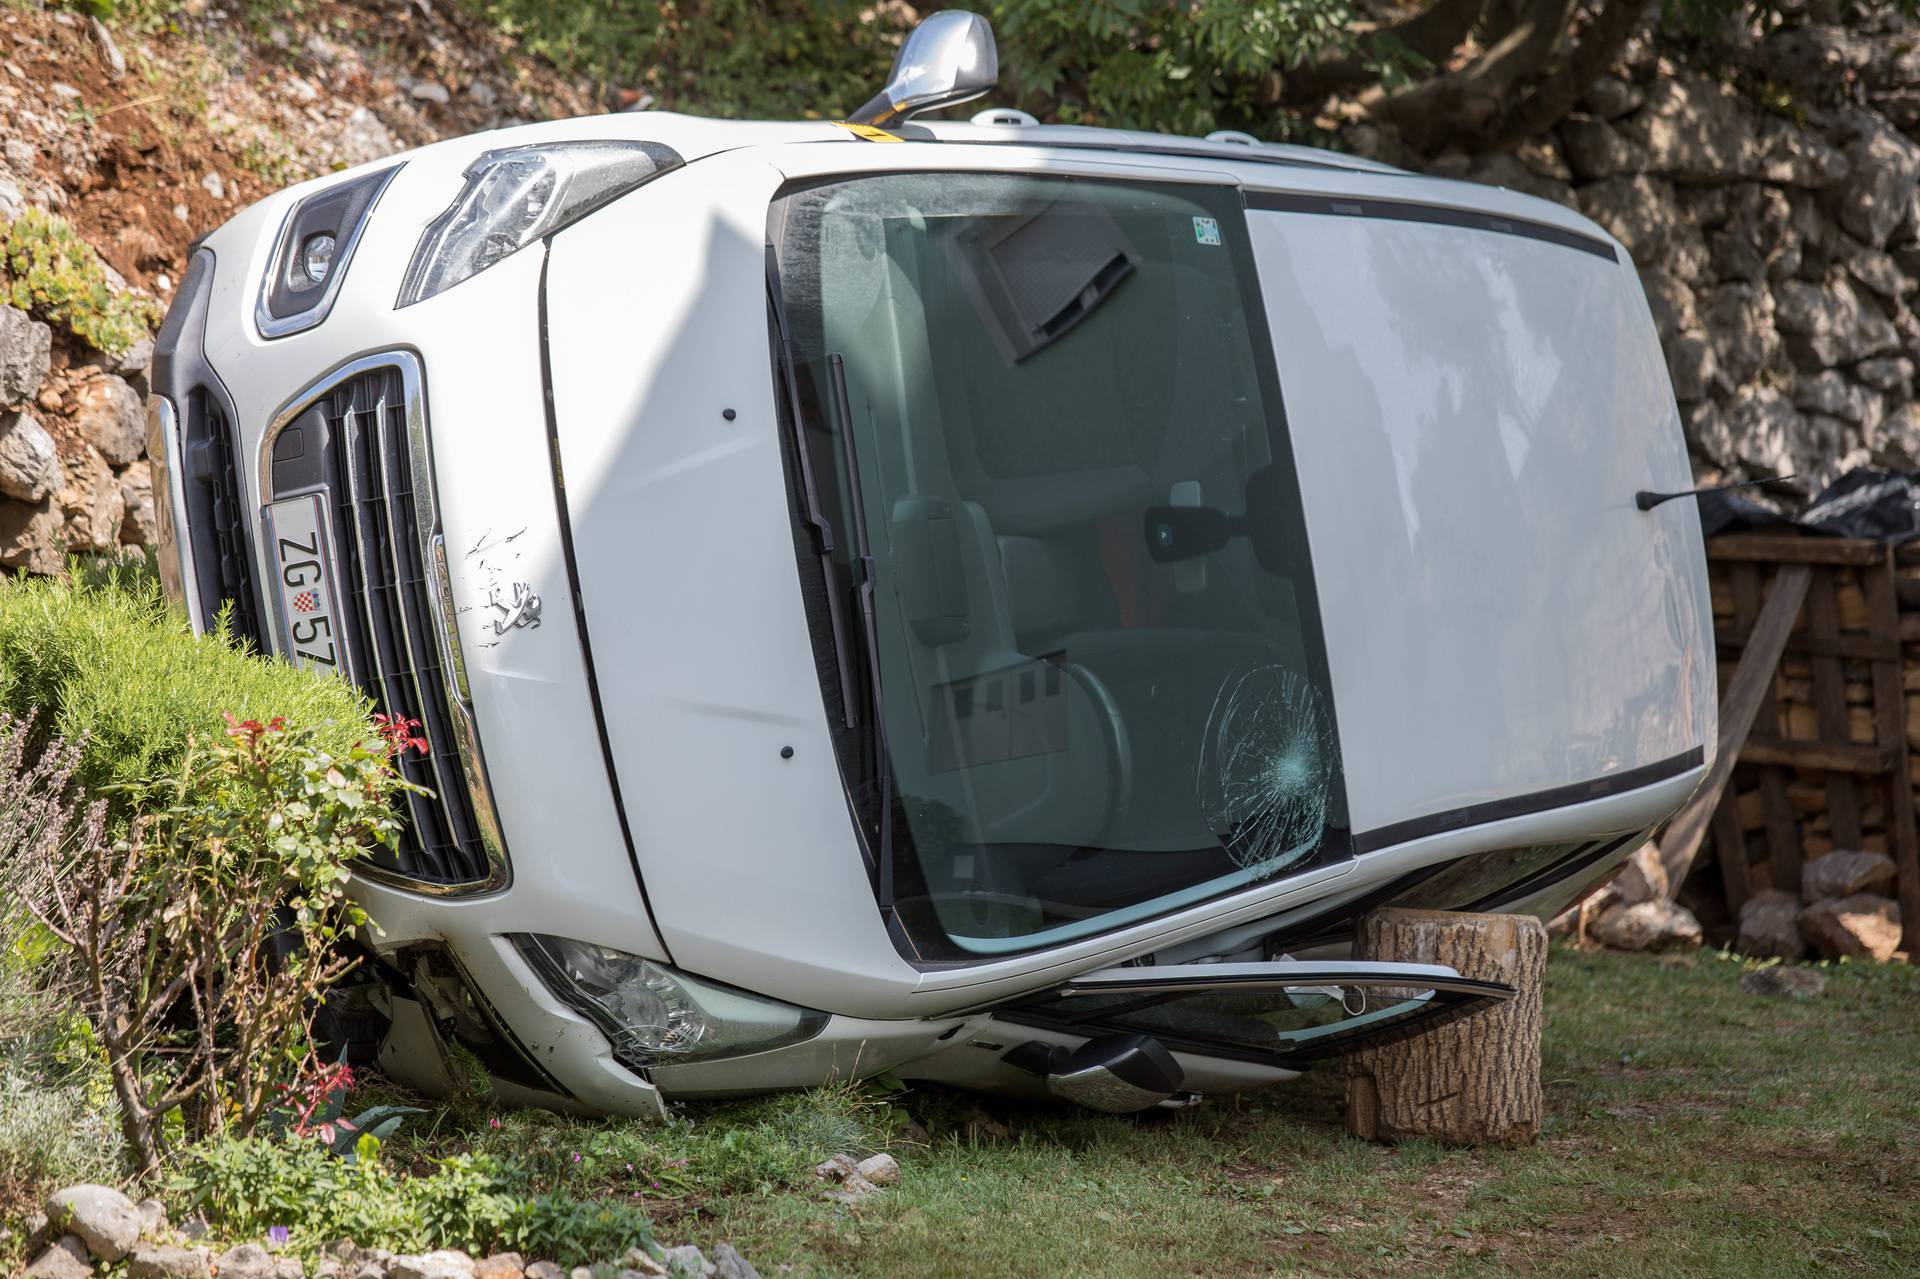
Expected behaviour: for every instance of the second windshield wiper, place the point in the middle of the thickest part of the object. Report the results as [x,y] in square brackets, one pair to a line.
[864,584]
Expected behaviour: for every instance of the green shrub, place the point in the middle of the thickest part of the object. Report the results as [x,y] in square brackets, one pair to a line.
[477,1202]
[113,669]
[55,274]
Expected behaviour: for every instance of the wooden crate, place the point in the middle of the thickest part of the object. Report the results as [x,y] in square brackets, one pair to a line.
[1828,762]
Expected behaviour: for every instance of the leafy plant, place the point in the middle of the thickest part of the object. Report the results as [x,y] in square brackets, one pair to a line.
[203,942]
[313,1106]
[55,274]
[56,1122]
[475,1201]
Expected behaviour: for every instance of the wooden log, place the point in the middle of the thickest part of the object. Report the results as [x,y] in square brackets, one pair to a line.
[1477,1081]
[1751,683]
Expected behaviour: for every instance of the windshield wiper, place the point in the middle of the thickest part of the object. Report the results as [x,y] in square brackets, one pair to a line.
[870,631]
[810,496]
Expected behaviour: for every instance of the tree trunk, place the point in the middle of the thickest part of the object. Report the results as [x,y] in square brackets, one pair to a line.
[1475,1082]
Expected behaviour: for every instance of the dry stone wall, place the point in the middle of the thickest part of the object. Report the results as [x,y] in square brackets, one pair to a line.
[73,473]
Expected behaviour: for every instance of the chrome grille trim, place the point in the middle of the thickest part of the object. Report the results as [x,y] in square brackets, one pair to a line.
[401,645]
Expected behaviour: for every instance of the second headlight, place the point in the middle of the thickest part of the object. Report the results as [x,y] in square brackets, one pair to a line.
[516,195]
[655,1015]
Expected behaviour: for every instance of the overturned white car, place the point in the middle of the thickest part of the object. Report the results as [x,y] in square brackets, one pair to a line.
[984,601]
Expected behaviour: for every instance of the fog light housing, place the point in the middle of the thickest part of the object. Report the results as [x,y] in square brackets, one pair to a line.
[654,1015]
[316,257]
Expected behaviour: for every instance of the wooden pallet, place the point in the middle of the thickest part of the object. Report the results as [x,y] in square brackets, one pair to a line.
[1818,664]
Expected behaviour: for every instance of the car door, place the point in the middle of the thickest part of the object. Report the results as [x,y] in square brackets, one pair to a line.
[1284,1013]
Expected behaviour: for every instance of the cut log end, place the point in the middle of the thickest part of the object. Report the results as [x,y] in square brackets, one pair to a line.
[1477,1081]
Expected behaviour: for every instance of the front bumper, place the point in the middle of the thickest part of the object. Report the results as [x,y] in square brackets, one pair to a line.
[484,520]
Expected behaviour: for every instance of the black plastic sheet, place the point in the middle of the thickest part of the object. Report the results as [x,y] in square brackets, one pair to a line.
[1880,506]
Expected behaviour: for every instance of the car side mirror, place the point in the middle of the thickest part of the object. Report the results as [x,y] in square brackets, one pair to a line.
[947,59]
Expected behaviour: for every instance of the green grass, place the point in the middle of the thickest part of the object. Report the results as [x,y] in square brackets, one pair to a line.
[1692,1130]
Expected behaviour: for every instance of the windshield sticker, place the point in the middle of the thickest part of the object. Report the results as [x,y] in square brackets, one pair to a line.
[1266,769]
[1207,230]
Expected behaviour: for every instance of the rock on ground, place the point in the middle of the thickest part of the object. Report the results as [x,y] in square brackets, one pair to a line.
[152,1262]
[881,1169]
[729,1264]
[688,1262]
[446,1263]
[1844,872]
[66,1259]
[25,355]
[1863,926]
[546,1270]
[501,1265]
[1769,926]
[104,1219]
[1797,983]
[1648,925]
[1642,877]
[250,1261]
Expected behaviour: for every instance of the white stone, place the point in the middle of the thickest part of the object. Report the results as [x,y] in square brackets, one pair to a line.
[445,1263]
[1650,925]
[104,1219]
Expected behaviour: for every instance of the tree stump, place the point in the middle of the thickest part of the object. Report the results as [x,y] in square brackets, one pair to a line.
[1475,1082]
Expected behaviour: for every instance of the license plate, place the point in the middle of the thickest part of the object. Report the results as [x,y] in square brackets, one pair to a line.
[303,567]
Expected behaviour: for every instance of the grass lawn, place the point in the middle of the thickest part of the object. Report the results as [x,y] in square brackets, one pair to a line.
[1692,1130]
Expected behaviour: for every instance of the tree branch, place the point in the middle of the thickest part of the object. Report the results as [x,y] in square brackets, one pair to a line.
[1432,34]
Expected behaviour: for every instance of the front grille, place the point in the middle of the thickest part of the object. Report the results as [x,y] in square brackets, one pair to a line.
[390,623]
[215,517]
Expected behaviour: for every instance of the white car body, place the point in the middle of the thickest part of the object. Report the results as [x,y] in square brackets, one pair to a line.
[1474,393]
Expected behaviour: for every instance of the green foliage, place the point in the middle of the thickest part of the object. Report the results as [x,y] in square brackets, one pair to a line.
[56,1119]
[754,1146]
[788,59]
[1180,67]
[55,274]
[477,1202]
[114,669]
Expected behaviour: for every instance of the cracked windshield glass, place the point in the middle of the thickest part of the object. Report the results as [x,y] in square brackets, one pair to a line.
[1042,410]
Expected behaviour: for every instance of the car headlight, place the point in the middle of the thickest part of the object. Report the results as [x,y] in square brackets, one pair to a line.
[656,1016]
[515,196]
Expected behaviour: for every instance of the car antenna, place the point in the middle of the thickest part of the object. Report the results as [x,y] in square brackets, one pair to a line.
[1647,499]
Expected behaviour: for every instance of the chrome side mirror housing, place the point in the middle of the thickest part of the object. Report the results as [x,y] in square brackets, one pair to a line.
[948,58]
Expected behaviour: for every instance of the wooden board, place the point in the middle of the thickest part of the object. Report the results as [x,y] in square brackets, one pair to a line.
[1745,692]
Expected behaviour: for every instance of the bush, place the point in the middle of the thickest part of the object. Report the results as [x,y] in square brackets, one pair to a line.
[477,1202]
[202,944]
[115,670]
[199,920]
[57,275]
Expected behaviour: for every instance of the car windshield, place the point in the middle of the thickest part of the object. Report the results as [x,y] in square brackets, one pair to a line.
[1041,409]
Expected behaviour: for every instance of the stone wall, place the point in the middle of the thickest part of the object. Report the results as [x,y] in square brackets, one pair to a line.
[73,473]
